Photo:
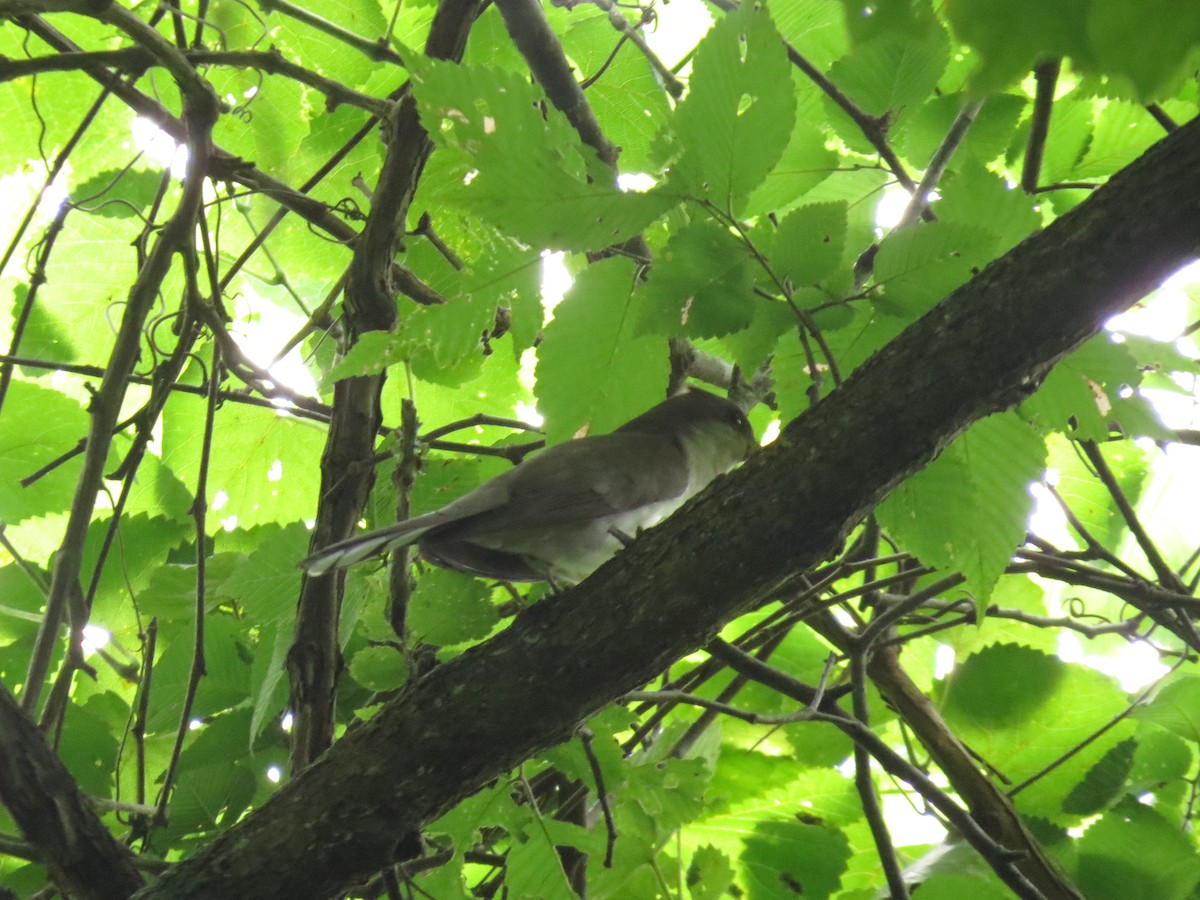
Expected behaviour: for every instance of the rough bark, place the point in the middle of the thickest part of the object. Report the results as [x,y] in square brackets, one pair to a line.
[54,815]
[347,471]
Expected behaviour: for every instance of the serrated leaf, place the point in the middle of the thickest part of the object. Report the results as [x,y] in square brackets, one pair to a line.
[809,243]
[373,352]
[450,608]
[40,425]
[967,510]
[709,874]
[892,72]
[975,195]
[593,369]
[1011,37]
[738,114]
[1122,132]
[1149,42]
[266,583]
[700,285]
[805,163]
[261,469]
[118,194]
[785,858]
[1176,707]
[1021,710]
[1091,388]
[918,267]
[1103,781]
[532,176]
[378,668]
[1133,851]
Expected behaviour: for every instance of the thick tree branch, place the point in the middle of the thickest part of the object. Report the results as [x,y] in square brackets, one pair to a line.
[981,350]
[347,472]
[54,815]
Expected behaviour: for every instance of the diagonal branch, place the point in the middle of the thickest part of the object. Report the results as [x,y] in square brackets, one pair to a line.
[347,473]
[200,113]
[55,816]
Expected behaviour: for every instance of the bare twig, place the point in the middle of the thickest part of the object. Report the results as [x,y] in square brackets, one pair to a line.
[1046,77]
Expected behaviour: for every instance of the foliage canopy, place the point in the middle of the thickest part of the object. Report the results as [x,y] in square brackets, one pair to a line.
[264,266]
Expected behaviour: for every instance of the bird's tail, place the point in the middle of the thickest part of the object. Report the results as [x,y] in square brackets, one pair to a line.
[356,549]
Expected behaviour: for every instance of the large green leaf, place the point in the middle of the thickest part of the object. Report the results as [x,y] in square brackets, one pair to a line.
[738,114]
[967,510]
[531,174]
[593,368]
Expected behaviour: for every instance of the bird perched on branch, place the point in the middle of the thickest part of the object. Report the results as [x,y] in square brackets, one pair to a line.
[560,514]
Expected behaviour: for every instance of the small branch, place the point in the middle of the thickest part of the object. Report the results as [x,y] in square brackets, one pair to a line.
[377,51]
[200,113]
[863,783]
[1046,76]
[271,61]
[1161,117]
[474,422]
[531,33]
[918,206]
[633,34]
[318,412]
[400,584]
[1165,573]
[586,737]
[874,128]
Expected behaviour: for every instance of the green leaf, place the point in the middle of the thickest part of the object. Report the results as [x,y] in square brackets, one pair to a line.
[533,869]
[593,369]
[378,668]
[532,175]
[918,267]
[738,114]
[709,874]
[1011,37]
[40,426]
[262,469]
[450,608]
[226,681]
[700,285]
[627,96]
[1122,132]
[809,243]
[117,193]
[1176,707]
[893,72]
[967,510]
[974,195]
[1150,43]
[267,582]
[784,858]
[338,60]
[87,280]
[1022,710]
[806,162]
[1134,852]
[1092,388]
[1103,781]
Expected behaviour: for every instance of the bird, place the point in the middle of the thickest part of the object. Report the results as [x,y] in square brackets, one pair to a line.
[562,513]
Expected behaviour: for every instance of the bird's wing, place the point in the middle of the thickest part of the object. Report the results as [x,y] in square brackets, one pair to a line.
[576,482]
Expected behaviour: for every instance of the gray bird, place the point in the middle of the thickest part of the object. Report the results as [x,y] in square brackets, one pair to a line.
[560,514]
